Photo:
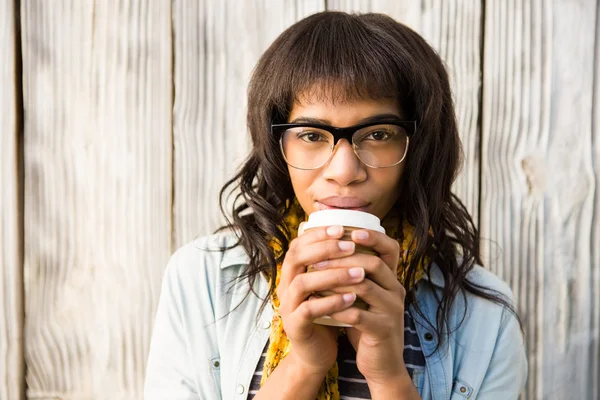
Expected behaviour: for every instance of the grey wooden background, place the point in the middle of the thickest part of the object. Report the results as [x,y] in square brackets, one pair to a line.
[121,119]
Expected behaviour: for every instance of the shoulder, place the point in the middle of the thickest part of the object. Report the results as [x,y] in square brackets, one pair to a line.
[485,350]
[490,281]
[469,311]
[478,276]
[206,277]
[217,251]
[205,264]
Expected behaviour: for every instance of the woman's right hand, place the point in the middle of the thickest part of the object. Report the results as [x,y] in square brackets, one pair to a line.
[314,347]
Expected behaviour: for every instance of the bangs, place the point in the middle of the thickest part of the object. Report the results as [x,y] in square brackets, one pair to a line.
[336,58]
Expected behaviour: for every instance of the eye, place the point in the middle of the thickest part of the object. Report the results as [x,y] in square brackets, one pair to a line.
[312,137]
[378,135]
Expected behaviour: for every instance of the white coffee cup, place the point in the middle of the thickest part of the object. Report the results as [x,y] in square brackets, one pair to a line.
[351,220]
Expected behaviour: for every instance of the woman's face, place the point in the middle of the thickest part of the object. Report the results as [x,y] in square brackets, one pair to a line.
[344,181]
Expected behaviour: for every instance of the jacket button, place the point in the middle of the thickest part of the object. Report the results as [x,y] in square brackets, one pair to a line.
[266,324]
[240,389]
[216,364]
[463,389]
[428,336]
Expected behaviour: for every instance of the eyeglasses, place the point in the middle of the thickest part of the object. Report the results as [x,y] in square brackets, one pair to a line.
[378,144]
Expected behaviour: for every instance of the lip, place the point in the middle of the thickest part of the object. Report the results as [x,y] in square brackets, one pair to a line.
[343,203]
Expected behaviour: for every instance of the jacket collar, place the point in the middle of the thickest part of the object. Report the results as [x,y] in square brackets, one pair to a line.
[436,279]
[234,256]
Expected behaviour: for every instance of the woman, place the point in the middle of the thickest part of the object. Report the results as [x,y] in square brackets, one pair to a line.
[235,318]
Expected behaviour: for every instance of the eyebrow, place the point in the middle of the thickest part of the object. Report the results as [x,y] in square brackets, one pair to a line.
[373,118]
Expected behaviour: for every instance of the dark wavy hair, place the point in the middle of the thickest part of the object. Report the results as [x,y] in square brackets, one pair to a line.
[341,57]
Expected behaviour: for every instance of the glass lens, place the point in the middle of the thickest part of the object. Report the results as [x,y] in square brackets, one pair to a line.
[305,147]
[380,145]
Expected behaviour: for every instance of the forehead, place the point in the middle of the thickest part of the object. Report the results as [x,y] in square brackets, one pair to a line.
[341,112]
[341,105]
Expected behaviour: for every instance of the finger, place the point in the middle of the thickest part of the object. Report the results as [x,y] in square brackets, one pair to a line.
[387,247]
[375,269]
[306,284]
[378,299]
[353,335]
[373,324]
[313,246]
[301,228]
[302,318]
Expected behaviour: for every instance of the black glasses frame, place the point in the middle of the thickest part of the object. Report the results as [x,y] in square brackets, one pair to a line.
[410,127]
[277,131]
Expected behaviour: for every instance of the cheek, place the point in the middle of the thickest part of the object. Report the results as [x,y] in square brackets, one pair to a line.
[389,181]
[388,187]
[301,182]
[295,178]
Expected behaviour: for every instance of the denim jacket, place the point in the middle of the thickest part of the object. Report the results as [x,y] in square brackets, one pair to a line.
[208,334]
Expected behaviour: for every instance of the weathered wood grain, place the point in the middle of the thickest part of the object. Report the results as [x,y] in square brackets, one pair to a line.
[97,85]
[594,345]
[12,378]
[538,184]
[216,46]
[454,30]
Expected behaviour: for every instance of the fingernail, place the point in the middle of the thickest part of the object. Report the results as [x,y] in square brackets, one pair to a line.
[321,264]
[361,235]
[335,230]
[356,272]
[349,298]
[345,245]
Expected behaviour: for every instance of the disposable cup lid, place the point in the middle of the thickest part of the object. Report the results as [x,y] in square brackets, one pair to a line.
[351,218]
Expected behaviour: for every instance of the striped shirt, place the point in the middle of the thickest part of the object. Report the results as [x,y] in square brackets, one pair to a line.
[352,384]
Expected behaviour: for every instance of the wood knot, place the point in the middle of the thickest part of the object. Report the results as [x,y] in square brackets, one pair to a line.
[535,174]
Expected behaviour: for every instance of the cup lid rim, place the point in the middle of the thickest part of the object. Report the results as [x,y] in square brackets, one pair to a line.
[350,218]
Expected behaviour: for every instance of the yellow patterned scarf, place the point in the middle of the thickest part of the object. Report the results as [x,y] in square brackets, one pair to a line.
[279,345]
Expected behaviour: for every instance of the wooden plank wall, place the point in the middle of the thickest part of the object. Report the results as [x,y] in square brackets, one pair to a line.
[12,364]
[134,117]
[594,344]
[216,46]
[97,82]
[539,194]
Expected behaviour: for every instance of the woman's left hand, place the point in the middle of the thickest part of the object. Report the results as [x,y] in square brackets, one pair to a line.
[377,334]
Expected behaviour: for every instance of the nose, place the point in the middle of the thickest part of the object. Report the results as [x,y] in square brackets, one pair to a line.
[344,167]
